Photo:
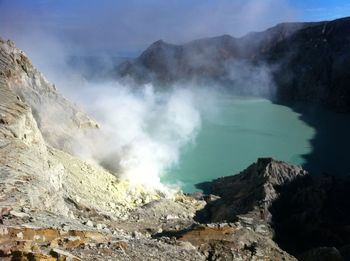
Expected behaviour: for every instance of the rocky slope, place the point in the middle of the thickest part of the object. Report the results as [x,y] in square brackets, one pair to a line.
[58,119]
[313,213]
[306,61]
[252,191]
[307,216]
[311,64]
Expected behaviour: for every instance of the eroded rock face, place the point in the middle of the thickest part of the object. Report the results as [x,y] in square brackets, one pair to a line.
[307,216]
[59,120]
[311,65]
[313,213]
[250,192]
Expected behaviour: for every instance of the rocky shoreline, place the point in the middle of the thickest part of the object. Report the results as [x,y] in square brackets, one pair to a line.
[55,206]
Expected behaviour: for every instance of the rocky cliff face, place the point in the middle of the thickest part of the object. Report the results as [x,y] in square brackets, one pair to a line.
[313,213]
[305,215]
[311,64]
[306,61]
[252,191]
[58,119]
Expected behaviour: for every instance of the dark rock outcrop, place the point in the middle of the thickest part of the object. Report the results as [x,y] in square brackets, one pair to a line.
[311,213]
[250,192]
[312,64]
[307,61]
[309,217]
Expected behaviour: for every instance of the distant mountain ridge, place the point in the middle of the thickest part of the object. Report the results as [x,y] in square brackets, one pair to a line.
[306,61]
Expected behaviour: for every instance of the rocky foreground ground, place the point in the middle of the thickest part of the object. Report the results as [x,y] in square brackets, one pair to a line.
[55,206]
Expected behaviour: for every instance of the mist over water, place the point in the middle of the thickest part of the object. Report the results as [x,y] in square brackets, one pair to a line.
[241,130]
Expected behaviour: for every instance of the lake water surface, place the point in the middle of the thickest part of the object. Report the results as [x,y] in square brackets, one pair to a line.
[235,135]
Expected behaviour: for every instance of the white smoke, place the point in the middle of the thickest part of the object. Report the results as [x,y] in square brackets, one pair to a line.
[249,79]
[142,131]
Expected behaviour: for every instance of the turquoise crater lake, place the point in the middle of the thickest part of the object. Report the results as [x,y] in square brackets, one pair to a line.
[235,135]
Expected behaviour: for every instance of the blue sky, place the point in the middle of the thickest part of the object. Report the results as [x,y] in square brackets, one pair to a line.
[129,25]
[313,10]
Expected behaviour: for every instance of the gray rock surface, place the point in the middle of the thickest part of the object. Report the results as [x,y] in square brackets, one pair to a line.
[58,119]
[250,192]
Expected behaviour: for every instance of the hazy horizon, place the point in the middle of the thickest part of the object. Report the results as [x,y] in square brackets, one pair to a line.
[126,28]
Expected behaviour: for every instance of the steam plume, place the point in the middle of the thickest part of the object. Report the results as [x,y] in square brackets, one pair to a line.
[142,131]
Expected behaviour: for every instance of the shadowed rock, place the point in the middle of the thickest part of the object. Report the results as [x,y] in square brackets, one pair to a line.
[307,216]
[251,191]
